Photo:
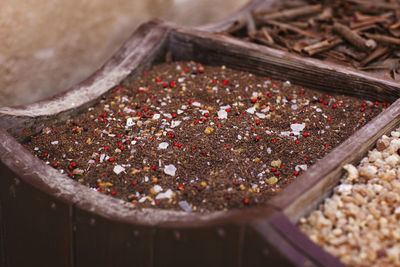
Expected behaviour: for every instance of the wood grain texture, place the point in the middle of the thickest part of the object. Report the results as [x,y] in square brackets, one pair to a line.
[310,188]
[264,246]
[187,44]
[37,226]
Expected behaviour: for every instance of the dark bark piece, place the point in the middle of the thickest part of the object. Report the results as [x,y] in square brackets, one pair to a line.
[353,37]
[380,51]
[290,14]
[383,39]
[322,46]
[285,26]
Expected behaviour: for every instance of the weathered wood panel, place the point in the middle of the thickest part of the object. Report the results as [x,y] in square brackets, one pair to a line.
[37,226]
[103,242]
[187,44]
[212,246]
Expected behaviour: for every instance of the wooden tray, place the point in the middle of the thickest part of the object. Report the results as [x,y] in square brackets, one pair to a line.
[53,221]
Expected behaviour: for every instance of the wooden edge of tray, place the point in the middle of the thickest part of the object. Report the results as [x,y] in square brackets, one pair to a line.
[309,189]
[291,233]
[210,48]
[138,52]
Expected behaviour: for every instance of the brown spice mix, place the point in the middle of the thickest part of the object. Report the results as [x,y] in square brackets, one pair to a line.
[200,138]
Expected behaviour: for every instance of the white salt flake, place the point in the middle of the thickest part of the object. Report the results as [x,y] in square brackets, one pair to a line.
[251,110]
[260,115]
[166,194]
[297,127]
[156,116]
[143,199]
[222,114]
[129,122]
[54,143]
[294,107]
[179,111]
[170,169]
[118,169]
[185,206]
[196,104]
[163,145]
[157,188]
[102,156]
[175,123]
[300,167]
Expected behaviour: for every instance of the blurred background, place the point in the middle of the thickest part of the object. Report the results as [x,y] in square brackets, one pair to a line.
[49,45]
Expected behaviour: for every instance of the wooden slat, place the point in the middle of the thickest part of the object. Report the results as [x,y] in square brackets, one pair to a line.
[37,226]
[214,49]
[304,194]
[264,246]
[213,246]
[301,242]
[103,242]
[2,247]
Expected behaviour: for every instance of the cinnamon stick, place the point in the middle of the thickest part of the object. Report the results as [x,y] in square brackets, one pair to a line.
[353,37]
[291,14]
[384,39]
[322,46]
[285,26]
[374,55]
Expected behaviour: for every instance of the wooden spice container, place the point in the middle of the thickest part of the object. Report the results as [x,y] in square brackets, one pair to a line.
[49,220]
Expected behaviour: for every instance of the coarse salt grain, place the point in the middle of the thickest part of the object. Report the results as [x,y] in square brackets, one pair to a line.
[156,116]
[130,122]
[170,169]
[251,110]
[175,124]
[185,206]
[54,143]
[166,194]
[118,169]
[163,145]
[222,114]
[297,127]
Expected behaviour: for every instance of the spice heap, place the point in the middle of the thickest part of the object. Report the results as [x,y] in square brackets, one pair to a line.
[359,224]
[200,138]
[361,34]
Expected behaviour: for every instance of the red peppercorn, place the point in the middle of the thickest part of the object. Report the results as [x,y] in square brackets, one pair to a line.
[164,85]
[134,182]
[296,173]
[274,140]
[158,80]
[297,142]
[334,106]
[193,147]
[362,109]
[306,134]
[153,167]
[271,109]
[173,115]
[246,201]
[329,118]
[257,138]
[228,196]
[302,92]
[258,122]
[113,192]
[55,164]
[206,115]
[111,159]
[228,110]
